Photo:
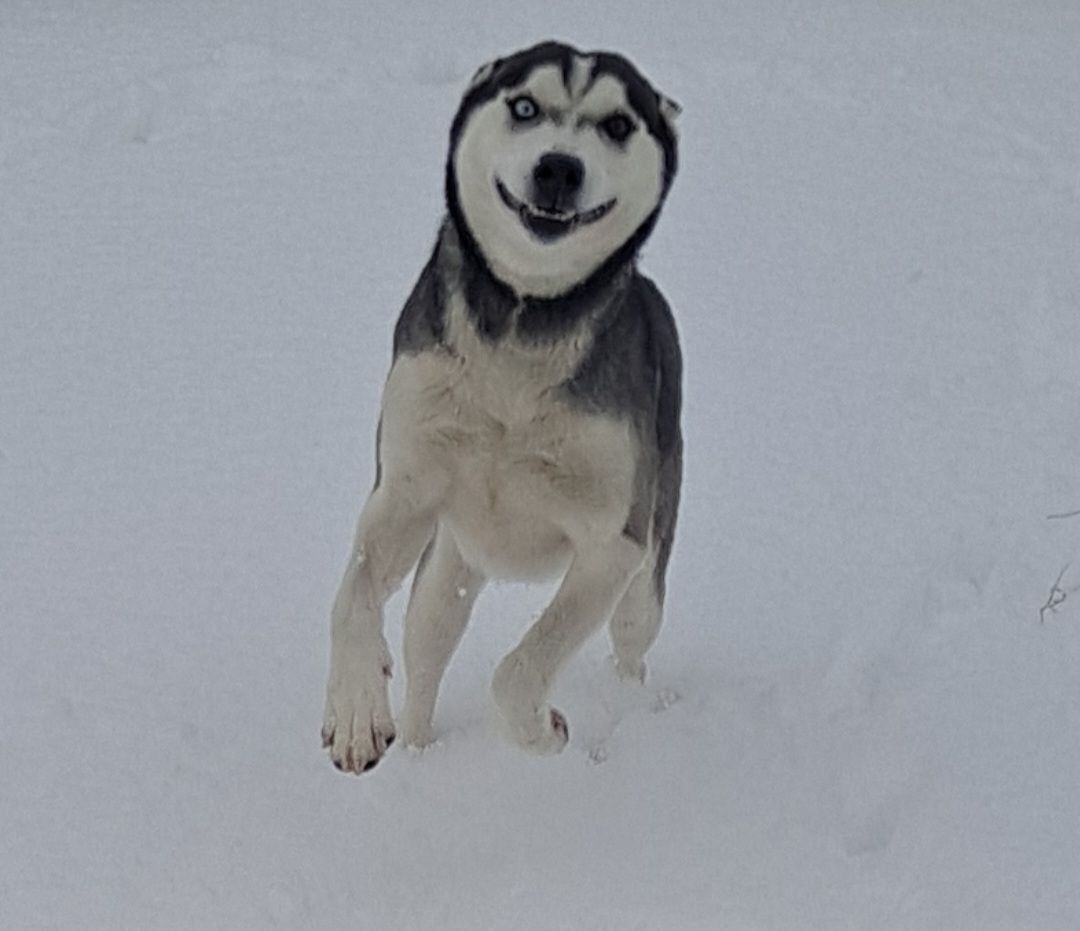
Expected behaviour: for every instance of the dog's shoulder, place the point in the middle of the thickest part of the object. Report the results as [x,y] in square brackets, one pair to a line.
[422,321]
[634,366]
[667,359]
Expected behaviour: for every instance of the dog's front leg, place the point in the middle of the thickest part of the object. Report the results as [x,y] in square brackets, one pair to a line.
[393,530]
[443,594]
[593,585]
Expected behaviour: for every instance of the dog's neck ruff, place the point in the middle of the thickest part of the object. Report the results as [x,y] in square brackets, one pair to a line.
[496,309]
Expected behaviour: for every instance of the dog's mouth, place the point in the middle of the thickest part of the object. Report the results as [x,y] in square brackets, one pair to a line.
[547,224]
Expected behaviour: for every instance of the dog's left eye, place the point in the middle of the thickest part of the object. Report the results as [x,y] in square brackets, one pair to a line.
[617,127]
[523,108]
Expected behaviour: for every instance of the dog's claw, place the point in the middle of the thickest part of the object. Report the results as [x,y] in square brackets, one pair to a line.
[357,726]
[356,756]
[559,725]
[353,760]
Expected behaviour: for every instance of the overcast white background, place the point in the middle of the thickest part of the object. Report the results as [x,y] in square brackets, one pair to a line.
[210,215]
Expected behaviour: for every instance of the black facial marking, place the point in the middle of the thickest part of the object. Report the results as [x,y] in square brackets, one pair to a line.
[523,109]
[511,71]
[618,127]
[645,101]
[508,73]
[567,64]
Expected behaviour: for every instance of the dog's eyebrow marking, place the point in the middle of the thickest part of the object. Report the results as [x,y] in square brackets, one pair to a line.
[578,77]
[546,86]
[604,95]
[567,64]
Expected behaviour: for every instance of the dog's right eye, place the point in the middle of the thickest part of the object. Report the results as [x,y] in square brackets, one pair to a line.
[523,109]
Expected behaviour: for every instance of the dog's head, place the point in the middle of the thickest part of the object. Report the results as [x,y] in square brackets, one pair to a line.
[559,163]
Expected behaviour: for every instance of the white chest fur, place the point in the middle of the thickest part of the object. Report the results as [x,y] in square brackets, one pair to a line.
[522,476]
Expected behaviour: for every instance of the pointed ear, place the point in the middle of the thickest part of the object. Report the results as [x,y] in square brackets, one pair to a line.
[483,74]
[670,110]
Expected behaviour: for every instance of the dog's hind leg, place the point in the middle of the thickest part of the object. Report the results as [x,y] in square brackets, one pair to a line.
[443,594]
[636,620]
[394,528]
[593,585]
[636,623]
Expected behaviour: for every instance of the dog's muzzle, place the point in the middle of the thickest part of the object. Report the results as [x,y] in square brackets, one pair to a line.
[550,224]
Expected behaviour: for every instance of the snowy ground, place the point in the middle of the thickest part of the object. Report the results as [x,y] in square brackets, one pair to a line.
[209,217]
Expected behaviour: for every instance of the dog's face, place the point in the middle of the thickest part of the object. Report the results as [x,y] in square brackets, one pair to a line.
[559,161]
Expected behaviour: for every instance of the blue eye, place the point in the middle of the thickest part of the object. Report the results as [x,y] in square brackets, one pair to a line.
[523,108]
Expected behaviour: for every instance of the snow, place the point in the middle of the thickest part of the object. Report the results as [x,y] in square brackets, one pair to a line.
[211,214]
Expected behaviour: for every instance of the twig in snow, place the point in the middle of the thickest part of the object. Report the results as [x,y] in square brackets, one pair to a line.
[1064,516]
[1057,596]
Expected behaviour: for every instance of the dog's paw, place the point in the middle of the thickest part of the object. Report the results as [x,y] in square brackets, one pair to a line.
[416,733]
[357,727]
[533,725]
[545,734]
[627,671]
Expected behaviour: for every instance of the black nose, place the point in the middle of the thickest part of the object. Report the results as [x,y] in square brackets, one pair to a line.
[557,179]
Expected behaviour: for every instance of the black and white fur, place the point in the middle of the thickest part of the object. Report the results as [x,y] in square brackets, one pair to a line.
[530,420]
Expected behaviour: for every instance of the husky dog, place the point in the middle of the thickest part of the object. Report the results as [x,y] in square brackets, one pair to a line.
[530,421]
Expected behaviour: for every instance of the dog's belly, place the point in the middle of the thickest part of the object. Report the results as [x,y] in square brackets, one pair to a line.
[527,476]
[503,540]
[521,493]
